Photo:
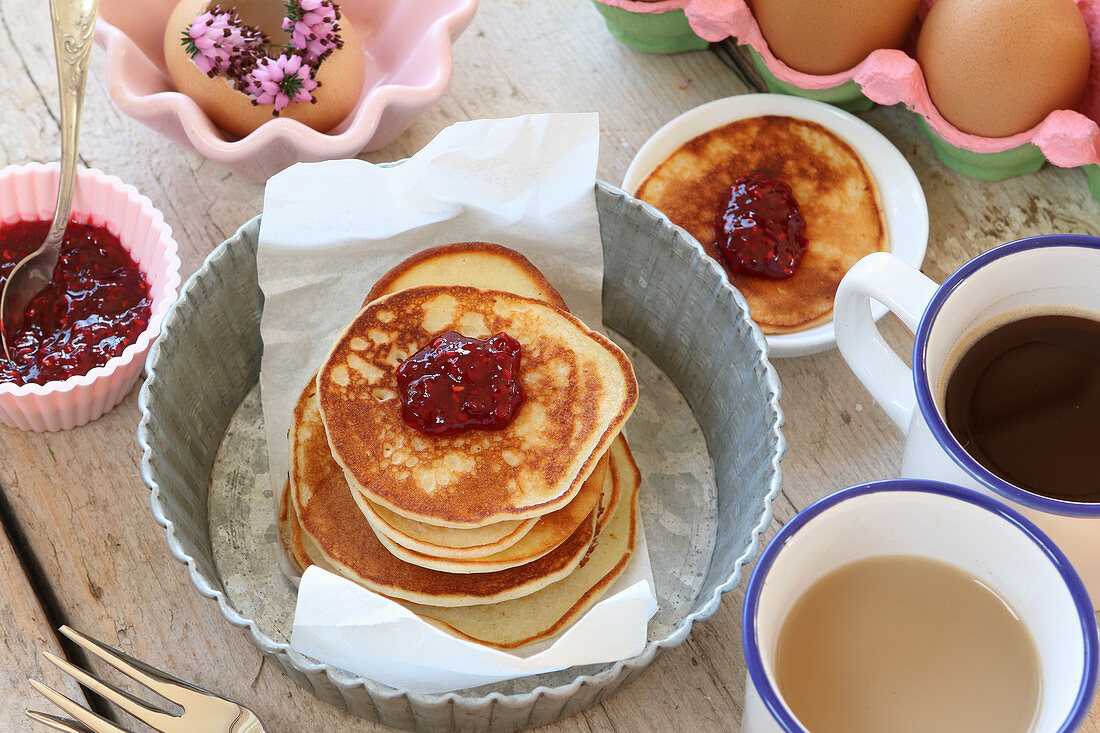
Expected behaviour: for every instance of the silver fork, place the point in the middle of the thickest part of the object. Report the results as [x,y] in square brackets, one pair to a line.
[202,711]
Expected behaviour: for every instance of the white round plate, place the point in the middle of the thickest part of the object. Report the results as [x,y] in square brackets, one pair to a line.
[904,210]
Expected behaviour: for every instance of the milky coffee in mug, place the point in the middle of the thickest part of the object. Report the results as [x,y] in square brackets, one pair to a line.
[907,644]
[971,615]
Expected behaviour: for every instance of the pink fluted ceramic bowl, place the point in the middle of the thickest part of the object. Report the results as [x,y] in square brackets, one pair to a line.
[407,52]
[29,192]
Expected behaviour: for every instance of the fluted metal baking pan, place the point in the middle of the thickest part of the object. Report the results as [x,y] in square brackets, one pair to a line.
[661,292]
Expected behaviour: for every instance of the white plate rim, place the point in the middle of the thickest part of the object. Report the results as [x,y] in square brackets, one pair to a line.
[901,198]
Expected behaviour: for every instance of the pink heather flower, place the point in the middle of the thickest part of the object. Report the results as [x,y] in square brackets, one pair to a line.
[217,40]
[280,81]
[313,28]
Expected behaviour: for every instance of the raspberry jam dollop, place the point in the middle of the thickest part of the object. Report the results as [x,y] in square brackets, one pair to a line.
[456,383]
[761,231]
[97,304]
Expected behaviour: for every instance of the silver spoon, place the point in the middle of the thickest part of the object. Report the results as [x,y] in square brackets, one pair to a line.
[73,27]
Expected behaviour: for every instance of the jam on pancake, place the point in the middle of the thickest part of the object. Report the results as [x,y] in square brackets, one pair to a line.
[761,230]
[456,383]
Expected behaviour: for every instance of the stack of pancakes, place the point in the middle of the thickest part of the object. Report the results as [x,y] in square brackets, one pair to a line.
[500,536]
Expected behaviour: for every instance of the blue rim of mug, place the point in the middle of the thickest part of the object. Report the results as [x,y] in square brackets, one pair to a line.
[1081,601]
[927,405]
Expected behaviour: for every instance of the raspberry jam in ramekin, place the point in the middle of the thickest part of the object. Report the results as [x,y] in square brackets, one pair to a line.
[97,304]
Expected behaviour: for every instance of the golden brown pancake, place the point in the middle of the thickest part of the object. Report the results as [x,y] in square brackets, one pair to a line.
[834,192]
[320,521]
[476,264]
[290,532]
[620,464]
[513,624]
[550,531]
[444,541]
[489,267]
[579,387]
[330,518]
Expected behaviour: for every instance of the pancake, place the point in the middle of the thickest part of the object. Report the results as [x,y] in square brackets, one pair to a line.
[290,532]
[515,623]
[489,267]
[476,264]
[580,389]
[834,192]
[331,520]
[617,457]
[550,531]
[443,541]
[511,624]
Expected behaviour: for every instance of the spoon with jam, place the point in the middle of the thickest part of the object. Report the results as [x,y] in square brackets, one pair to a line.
[73,24]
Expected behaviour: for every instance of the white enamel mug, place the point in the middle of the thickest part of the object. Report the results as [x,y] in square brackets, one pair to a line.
[1056,273]
[929,519]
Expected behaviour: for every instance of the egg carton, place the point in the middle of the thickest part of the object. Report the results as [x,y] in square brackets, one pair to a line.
[653,32]
[1066,138]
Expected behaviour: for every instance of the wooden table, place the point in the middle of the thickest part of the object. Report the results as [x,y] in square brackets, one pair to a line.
[79,545]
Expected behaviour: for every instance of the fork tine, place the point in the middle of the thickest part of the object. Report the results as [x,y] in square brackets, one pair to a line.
[140,709]
[87,718]
[65,725]
[162,683]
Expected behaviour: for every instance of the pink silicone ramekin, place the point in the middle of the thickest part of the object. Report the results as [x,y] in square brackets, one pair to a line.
[29,192]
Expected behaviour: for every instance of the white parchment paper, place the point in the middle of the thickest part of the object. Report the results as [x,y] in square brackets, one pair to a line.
[372,636]
[329,230]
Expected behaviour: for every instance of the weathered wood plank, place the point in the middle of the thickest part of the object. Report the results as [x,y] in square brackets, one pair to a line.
[25,632]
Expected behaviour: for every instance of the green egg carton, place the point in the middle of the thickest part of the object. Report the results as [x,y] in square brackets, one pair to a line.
[670,32]
[848,96]
[1026,158]
[667,32]
[1093,173]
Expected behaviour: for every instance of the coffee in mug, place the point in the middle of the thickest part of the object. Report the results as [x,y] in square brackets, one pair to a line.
[1024,401]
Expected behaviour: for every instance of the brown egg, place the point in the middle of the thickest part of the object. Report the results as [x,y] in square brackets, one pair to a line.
[998,67]
[828,36]
[340,75]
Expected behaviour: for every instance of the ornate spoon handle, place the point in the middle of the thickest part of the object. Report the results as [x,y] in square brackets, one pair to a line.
[73,31]
[73,28]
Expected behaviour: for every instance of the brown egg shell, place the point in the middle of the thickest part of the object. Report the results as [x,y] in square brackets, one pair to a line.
[340,76]
[829,36]
[996,68]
